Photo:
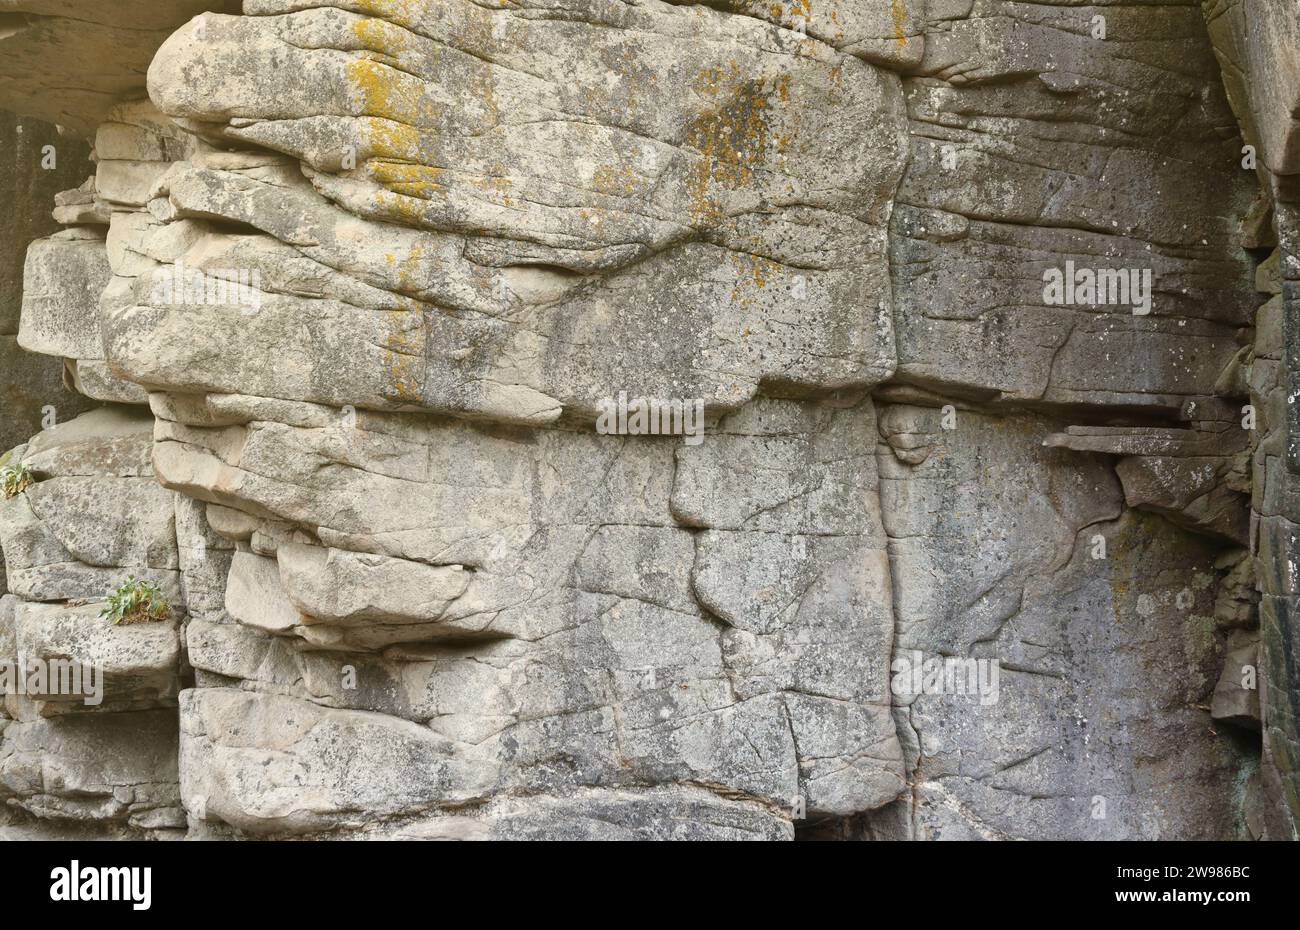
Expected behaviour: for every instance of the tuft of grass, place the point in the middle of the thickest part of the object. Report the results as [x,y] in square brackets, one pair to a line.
[136,601]
[14,479]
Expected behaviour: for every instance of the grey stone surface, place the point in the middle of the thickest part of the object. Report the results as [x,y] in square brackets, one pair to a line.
[97,768]
[360,281]
[94,516]
[139,662]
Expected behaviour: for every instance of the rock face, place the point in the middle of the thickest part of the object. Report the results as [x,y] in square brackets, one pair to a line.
[581,419]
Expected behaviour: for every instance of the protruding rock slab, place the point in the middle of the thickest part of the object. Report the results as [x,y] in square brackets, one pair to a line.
[136,662]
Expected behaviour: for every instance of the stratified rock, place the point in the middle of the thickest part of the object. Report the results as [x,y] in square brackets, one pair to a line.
[65,276]
[1064,590]
[31,388]
[74,535]
[369,285]
[94,768]
[1036,143]
[1257,46]
[497,593]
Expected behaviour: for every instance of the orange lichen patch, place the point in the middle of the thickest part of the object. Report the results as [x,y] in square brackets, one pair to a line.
[398,206]
[482,87]
[753,272]
[393,105]
[496,187]
[899,13]
[761,269]
[386,138]
[709,80]
[405,12]
[379,35]
[383,90]
[414,190]
[406,270]
[403,356]
[801,8]
[732,139]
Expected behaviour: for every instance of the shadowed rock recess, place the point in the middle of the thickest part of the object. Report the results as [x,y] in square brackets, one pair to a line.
[987,530]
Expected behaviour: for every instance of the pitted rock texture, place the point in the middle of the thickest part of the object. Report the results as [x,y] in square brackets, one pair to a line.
[360,281]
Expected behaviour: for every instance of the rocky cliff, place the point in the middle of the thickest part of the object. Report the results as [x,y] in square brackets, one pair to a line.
[639,419]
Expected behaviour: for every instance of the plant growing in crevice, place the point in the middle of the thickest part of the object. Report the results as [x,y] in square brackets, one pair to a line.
[136,601]
[14,479]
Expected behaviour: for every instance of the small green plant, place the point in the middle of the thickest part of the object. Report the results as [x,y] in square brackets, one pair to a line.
[136,601]
[14,479]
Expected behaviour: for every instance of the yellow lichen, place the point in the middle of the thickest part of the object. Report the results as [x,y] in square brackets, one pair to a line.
[403,349]
[900,15]
[731,138]
[753,272]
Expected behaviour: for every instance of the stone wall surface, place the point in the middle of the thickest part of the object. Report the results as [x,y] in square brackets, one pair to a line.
[363,290]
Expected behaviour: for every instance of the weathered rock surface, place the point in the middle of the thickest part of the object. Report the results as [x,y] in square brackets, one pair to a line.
[95,515]
[1035,143]
[1257,44]
[94,768]
[362,281]
[93,737]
